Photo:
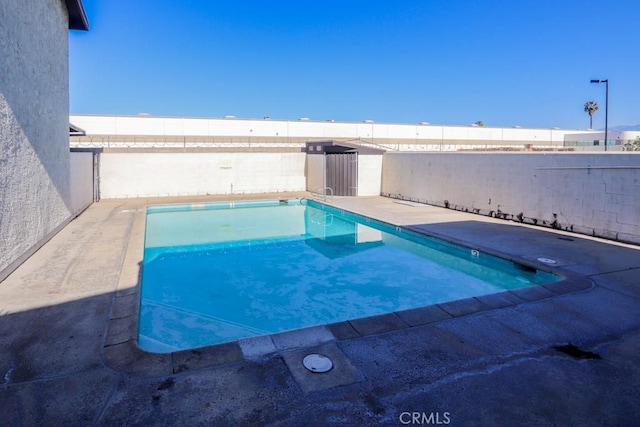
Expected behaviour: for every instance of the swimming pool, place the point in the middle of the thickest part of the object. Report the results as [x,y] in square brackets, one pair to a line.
[214,273]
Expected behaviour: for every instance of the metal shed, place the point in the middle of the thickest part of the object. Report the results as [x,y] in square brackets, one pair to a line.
[332,166]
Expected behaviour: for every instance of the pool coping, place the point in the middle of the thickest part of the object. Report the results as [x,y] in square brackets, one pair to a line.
[121,352]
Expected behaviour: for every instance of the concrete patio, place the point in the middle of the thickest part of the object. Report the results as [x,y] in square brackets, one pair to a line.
[567,353]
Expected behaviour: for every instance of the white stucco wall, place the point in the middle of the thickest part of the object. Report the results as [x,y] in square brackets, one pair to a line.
[588,193]
[369,174]
[181,174]
[34,134]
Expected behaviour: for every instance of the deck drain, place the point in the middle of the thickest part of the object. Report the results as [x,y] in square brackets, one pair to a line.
[547,260]
[317,363]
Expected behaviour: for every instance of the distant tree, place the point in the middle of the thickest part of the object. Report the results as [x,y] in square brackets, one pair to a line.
[632,145]
[479,123]
[590,107]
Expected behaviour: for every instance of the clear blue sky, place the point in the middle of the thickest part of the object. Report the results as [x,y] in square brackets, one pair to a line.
[505,62]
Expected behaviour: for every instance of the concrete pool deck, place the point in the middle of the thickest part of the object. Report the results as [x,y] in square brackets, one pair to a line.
[563,355]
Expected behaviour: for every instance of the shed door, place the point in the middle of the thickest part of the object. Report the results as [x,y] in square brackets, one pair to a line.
[342,173]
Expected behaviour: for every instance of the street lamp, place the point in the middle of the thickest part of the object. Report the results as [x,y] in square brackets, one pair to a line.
[606,110]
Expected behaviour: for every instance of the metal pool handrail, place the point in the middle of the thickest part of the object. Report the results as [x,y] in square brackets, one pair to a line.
[323,222]
[321,193]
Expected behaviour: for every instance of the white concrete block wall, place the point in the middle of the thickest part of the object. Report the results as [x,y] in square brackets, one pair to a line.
[369,175]
[81,174]
[179,174]
[35,199]
[315,172]
[595,194]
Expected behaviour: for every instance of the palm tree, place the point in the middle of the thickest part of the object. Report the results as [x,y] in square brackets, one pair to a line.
[591,107]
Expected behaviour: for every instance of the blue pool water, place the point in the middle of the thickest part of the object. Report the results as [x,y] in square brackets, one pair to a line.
[219,272]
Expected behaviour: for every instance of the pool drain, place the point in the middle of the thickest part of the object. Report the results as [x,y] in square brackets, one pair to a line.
[547,260]
[317,363]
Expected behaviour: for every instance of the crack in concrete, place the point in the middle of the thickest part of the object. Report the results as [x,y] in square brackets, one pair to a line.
[613,272]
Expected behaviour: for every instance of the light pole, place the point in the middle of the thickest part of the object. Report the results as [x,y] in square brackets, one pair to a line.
[606,110]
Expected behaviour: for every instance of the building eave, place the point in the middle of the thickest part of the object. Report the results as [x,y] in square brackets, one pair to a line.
[77,17]
[76,131]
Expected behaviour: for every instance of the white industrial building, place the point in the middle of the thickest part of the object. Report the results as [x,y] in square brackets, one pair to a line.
[588,141]
[149,131]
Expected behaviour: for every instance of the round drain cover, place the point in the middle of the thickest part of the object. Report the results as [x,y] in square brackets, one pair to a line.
[317,363]
[547,260]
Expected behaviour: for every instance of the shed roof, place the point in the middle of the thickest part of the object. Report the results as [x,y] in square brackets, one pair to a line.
[77,18]
[331,146]
[75,130]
